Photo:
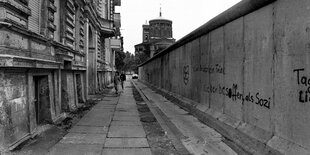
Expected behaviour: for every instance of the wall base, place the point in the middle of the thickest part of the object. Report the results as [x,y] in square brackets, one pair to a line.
[252,139]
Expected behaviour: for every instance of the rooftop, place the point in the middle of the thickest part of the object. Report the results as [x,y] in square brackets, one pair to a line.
[160,17]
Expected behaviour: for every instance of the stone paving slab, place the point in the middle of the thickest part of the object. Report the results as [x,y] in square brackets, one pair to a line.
[126,131]
[101,110]
[134,111]
[107,102]
[121,104]
[94,122]
[126,113]
[135,151]
[127,108]
[89,129]
[108,99]
[112,98]
[126,142]
[126,101]
[104,106]
[75,149]
[79,138]
[126,123]
[126,118]
[98,115]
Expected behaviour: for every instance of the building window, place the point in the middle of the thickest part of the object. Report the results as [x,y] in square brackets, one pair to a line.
[103,49]
[82,32]
[69,20]
[57,21]
[34,19]
[79,29]
[102,8]
[42,17]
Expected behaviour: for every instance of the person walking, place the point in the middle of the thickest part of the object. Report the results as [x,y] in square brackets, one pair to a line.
[123,78]
[116,81]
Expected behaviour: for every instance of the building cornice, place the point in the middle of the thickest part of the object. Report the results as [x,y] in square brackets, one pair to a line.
[95,21]
[21,7]
[26,62]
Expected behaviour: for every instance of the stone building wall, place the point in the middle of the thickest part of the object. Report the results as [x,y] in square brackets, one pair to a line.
[44,62]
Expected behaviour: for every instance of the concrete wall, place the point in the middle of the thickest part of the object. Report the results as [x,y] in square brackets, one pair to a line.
[13,107]
[253,69]
[92,71]
[72,89]
[104,79]
[17,104]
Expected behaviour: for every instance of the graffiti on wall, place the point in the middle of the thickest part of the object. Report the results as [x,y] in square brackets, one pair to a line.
[302,80]
[217,68]
[235,95]
[186,74]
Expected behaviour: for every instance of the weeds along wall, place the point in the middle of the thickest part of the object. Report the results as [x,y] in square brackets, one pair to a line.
[253,69]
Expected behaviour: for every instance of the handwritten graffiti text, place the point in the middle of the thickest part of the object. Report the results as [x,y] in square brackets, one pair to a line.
[304,94]
[210,69]
[235,95]
[186,74]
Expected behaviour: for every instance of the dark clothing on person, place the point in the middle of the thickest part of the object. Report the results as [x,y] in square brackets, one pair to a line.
[116,81]
[123,77]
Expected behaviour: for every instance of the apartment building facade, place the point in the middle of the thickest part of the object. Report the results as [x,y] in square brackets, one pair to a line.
[53,53]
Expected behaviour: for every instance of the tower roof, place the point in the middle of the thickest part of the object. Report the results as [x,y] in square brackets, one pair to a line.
[160,17]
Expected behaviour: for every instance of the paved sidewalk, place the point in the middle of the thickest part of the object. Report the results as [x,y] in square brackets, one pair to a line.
[112,127]
[200,139]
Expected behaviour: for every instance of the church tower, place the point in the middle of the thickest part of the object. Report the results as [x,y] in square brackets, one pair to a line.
[145,32]
[160,27]
[156,36]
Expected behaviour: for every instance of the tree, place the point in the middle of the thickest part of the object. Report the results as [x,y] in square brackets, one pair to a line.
[128,62]
[119,59]
[125,61]
[141,57]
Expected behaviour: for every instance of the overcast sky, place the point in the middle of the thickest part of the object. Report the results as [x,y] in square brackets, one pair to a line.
[186,16]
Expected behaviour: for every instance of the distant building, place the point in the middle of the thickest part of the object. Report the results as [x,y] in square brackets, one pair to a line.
[156,36]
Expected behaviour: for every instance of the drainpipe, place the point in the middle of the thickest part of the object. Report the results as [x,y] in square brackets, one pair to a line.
[96,57]
[86,57]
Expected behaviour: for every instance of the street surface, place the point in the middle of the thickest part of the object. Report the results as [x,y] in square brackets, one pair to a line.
[198,138]
[113,127]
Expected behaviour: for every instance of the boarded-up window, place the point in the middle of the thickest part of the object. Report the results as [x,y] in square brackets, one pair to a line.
[99,56]
[34,19]
[70,24]
[57,21]
[102,8]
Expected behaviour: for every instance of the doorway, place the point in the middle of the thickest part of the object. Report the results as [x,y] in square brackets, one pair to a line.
[79,88]
[42,100]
